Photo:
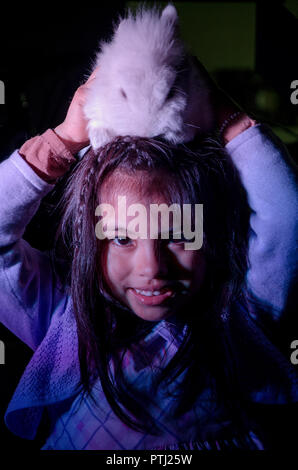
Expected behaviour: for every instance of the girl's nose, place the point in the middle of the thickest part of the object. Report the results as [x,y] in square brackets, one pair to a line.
[149,261]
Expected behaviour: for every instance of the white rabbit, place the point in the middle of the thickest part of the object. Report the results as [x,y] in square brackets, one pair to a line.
[144,83]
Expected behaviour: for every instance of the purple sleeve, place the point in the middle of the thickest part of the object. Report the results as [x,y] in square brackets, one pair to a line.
[268,175]
[28,291]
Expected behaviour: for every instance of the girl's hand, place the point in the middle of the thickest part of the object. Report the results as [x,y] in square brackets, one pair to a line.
[73,130]
[215,107]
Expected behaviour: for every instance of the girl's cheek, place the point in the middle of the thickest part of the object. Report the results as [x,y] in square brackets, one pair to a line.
[199,269]
[118,264]
[193,262]
[187,259]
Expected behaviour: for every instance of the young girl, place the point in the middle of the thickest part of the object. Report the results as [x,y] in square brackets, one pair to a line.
[140,343]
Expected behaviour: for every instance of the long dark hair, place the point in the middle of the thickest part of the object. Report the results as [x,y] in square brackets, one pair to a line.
[198,173]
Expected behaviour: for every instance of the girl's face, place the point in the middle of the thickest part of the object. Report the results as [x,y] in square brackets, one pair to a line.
[152,276]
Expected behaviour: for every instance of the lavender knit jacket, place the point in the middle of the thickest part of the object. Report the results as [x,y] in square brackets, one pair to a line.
[37,310]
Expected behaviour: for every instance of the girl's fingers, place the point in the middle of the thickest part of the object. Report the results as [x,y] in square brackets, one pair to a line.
[93,75]
[83,88]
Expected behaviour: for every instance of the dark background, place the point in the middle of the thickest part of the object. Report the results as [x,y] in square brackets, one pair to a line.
[46,53]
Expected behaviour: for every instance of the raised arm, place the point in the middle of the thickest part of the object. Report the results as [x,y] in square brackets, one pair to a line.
[269,177]
[29,293]
[28,290]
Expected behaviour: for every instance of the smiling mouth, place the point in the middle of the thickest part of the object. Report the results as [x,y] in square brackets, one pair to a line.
[152,297]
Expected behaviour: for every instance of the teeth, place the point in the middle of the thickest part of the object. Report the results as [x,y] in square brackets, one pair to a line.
[148,293]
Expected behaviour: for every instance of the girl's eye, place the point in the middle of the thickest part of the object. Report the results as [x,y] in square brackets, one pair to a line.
[177,242]
[121,241]
[172,242]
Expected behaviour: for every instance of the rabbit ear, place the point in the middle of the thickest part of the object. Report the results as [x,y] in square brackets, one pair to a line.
[121,24]
[169,13]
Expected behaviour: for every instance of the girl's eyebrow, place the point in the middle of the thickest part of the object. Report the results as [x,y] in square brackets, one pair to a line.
[122,230]
[170,233]
[111,227]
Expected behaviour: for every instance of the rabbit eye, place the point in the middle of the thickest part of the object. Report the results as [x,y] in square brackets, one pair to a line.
[123,93]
